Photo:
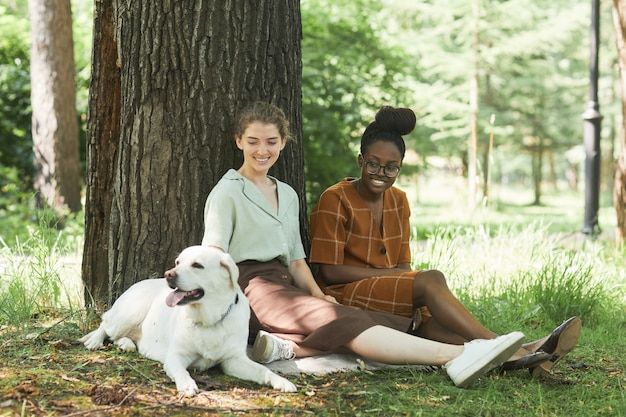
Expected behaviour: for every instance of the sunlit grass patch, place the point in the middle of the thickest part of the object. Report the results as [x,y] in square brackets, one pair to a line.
[37,276]
[516,276]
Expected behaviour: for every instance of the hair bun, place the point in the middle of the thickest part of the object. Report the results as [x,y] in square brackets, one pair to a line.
[400,120]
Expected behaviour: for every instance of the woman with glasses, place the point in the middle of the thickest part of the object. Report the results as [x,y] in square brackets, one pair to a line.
[360,241]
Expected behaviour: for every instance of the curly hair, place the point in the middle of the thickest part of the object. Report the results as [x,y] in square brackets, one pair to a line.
[390,125]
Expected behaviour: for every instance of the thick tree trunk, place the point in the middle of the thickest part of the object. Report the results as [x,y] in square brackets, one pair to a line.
[53,97]
[103,131]
[185,72]
[619,185]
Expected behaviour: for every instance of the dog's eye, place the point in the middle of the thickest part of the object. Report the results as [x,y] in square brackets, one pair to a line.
[197,265]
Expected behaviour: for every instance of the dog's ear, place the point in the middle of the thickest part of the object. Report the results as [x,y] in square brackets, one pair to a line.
[228,262]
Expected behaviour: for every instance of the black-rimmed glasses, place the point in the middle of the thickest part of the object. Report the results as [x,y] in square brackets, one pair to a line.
[373,168]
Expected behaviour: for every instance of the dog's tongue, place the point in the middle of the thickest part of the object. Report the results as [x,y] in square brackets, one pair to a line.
[174,297]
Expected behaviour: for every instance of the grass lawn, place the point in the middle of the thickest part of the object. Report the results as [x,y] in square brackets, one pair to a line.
[516,267]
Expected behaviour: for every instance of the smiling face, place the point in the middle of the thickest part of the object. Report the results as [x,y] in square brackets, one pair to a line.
[382,153]
[261,144]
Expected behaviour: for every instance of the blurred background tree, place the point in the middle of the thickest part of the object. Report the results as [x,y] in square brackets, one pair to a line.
[16,143]
[533,74]
[53,102]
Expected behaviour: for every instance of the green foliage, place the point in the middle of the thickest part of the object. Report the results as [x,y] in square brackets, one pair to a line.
[525,275]
[532,61]
[349,71]
[20,217]
[16,205]
[15,111]
[565,285]
[33,277]
[532,65]
[37,253]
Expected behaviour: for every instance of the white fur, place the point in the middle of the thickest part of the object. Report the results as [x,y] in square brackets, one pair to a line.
[200,334]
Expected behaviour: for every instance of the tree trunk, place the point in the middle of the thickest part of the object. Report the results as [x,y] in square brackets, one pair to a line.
[571,173]
[474,109]
[619,185]
[537,155]
[552,167]
[103,131]
[184,73]
[53,97]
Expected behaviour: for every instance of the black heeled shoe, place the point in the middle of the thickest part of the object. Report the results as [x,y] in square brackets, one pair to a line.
[531,360]
[560,342]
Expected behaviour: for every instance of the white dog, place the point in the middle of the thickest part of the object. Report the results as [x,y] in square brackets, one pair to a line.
[197,316]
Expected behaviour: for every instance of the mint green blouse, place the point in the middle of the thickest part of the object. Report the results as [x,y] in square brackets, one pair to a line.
[239,219]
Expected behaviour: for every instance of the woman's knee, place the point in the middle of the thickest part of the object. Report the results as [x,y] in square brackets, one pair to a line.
[429,282]
[432,276]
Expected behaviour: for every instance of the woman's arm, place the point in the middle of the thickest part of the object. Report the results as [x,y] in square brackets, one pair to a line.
[303,278]
[344,274]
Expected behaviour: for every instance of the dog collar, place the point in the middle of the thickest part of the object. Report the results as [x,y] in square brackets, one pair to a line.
[230,308]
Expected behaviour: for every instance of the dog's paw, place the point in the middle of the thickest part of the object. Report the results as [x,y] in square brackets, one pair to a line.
[92,344]
[126,344]
[282,384]
[93,340]
[187,388]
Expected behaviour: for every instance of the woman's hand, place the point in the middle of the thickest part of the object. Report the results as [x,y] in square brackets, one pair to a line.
[417,319]
[330,298]
[303,278]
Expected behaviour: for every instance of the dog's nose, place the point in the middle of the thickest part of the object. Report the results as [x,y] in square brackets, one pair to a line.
[171,274]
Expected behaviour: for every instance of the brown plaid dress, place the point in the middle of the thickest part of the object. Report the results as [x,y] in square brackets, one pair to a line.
[344,232]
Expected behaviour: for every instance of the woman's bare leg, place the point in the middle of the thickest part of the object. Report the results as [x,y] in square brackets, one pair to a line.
[451,321]
[303,352]
[433,330]
[390,346]
[430,289]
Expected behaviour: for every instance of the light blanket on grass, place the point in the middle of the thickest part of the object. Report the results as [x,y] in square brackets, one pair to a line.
[334,362]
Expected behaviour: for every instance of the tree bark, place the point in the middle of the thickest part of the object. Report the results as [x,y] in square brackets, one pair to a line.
[619,184]
[103,131]
[53,98]
[185,71]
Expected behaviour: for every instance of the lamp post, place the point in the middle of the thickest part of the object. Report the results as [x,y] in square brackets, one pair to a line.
[592,121]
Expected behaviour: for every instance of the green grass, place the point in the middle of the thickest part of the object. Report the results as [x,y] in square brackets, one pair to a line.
[39,274]
[516,271]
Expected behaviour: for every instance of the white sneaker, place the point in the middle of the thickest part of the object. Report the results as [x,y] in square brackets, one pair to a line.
[482,355]
[269,348]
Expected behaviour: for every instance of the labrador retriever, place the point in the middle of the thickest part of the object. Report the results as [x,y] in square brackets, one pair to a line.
[195,317]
